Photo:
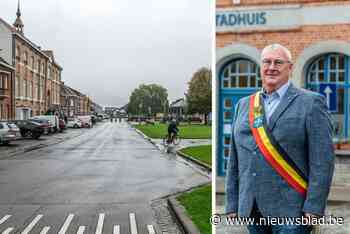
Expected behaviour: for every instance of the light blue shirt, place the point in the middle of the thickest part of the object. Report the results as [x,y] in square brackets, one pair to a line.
[272,100]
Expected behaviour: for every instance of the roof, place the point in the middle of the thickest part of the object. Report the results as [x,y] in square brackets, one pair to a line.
[49,53]
[178,103]
[12,29]
[32,44]
[5,64]
[67,91]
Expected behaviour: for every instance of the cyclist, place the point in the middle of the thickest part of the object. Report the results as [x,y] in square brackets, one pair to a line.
[172,131]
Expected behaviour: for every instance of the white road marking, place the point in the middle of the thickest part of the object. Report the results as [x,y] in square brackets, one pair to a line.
[66,224]
[151,229]
[45,230]
[6,217]
[32,224]
[81,230]
[116,229]
[7,231]
[133,226]
[100,224]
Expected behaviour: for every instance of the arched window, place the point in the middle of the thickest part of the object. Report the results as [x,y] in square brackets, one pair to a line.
[241,73]
[332,70]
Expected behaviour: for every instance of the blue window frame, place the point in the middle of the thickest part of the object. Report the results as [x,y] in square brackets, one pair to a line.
[237,78]
[333,68]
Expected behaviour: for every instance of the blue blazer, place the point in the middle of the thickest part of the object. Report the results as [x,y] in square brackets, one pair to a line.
[302,126]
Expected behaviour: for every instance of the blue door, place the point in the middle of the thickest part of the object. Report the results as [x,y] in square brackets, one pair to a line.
[238,78]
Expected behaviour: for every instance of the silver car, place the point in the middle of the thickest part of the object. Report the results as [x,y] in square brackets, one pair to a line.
[8,132]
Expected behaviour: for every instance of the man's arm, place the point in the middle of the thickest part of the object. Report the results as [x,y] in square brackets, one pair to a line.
[232,174]
[321,157]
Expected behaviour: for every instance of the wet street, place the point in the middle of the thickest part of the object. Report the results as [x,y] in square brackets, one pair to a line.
[102,181]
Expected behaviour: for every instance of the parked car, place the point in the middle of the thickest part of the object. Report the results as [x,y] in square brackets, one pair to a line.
[53,119]
[29,128]
[45,124]
[62,125]
[8,132]
[74,123]
[86,121]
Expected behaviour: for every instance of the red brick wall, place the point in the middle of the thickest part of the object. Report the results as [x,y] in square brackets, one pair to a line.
[229,3]
[295,41]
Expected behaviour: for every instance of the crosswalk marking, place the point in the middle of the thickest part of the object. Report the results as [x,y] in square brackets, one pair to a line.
[81,230]
[116,229]
[45,230]
[32,224]
[66,224]
[7,231]
[100,224]
[151,229]
[133,226]
[6,217]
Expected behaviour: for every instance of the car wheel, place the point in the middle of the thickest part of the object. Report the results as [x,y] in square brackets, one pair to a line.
[76,126]
[29,134]
[23,133]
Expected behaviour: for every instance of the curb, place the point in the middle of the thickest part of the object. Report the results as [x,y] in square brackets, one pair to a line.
[203,165]
[39,146]
[179,213]
[146,137]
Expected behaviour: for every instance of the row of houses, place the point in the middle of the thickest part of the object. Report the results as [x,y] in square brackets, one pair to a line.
[31,81]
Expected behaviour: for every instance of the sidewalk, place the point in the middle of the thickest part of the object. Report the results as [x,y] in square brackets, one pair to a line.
[24,145]
[338,201]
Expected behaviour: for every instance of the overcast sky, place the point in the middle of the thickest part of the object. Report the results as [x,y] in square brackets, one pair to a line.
[109,47]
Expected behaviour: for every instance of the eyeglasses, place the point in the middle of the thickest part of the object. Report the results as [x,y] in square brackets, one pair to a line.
[277,63]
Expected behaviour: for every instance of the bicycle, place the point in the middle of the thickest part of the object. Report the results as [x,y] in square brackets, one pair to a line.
[175,140]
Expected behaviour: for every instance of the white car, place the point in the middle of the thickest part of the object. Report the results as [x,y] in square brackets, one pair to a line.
[8,132]
[74,123]
[86,121]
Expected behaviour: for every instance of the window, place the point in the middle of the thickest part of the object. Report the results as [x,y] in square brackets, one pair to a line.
[18,53]
[18,87]
[32,62]
[327,68]
[5,82]
[25,57]
[241,73]
[25,90]
[1,81]
[30,91]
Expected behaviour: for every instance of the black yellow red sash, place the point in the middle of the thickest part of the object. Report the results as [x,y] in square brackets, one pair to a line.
[274,154]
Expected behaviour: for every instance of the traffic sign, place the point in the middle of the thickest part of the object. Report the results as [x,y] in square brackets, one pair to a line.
[330,92]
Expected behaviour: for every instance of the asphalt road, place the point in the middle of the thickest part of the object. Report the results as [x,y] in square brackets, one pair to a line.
[100,182]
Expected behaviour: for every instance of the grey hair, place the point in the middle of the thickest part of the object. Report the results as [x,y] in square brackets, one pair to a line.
[275,47]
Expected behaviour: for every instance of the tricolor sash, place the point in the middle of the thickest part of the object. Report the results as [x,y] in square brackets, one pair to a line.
[274,154]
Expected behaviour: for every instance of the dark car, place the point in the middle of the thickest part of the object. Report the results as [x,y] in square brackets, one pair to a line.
[29,128]
[45,124]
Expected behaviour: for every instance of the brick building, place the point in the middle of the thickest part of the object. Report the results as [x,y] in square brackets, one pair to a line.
[317,32]
[70,102]
[37,74]
[6,91]
[53,83]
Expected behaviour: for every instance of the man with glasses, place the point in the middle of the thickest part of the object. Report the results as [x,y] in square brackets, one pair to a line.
[282,159]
